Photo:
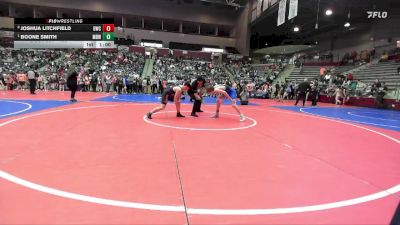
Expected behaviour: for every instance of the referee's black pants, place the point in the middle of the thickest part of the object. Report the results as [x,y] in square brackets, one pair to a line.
[314,98]
[32,85]
[196,104]
[301,95]
[73,89]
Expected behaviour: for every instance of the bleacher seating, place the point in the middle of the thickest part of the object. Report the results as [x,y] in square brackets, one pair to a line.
[384,71]
[344,69]
[309,72]
[313,72]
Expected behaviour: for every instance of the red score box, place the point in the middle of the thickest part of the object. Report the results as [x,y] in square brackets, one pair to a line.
[108,27]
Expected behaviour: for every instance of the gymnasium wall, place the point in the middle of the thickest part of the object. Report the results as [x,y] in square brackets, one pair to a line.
[167,37]
[382,36]
[153,8]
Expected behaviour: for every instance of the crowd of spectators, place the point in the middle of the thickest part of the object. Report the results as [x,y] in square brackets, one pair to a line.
[14,65]
[255,80]
[246,72]
[330,81]
[339,89]
[99,70]
[361,57]
[178,70]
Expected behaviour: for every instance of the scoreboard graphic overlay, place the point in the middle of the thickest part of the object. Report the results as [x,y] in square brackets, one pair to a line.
[64,33]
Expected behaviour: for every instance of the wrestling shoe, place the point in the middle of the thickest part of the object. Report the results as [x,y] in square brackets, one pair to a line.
[180,115]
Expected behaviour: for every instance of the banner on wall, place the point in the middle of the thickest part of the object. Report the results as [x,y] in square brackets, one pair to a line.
[293,8]
[272,2]
[282,12]
[265,5]
[259,7]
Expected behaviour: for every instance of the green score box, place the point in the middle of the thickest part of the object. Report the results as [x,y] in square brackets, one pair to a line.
[108,36]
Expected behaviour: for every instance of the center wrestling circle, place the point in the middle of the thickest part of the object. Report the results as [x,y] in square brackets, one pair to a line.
[253,122]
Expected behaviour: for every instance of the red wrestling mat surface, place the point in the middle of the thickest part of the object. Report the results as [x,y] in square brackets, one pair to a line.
[103,163]
[50,95]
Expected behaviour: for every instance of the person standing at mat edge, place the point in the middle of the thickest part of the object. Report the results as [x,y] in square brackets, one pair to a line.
[302,90]
[72,84]
[3,84]
[32,81]
[172,94]
[195,95]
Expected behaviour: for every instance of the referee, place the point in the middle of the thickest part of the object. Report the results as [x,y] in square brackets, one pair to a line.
[195,95]
[302,90]
[72,84]
[32,81]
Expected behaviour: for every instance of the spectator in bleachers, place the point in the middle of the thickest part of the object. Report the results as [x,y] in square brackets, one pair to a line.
[352,87]
[384,57]
[244,97]
[2,81]
[381,92]
[322,71]
[328,78]
[361,88]
[349,76]
[375,87]
[372,53]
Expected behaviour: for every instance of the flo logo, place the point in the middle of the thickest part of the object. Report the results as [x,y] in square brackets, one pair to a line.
[377,14]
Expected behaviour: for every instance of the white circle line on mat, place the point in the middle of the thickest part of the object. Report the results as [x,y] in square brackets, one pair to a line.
[353,121]
[196,211]
[202,129]
[371,117]
[13,113]
[115,97]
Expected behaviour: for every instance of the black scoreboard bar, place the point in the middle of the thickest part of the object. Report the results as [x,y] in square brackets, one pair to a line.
[63,21]
[57,36]
[64,33]
[56,28]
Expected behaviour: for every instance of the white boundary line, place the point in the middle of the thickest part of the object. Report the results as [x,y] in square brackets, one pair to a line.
[202,129]
[115,97]
[86,198]
[303,209]
[337,118]
[24,103]
[370,117]
[194,211]
[307,114]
